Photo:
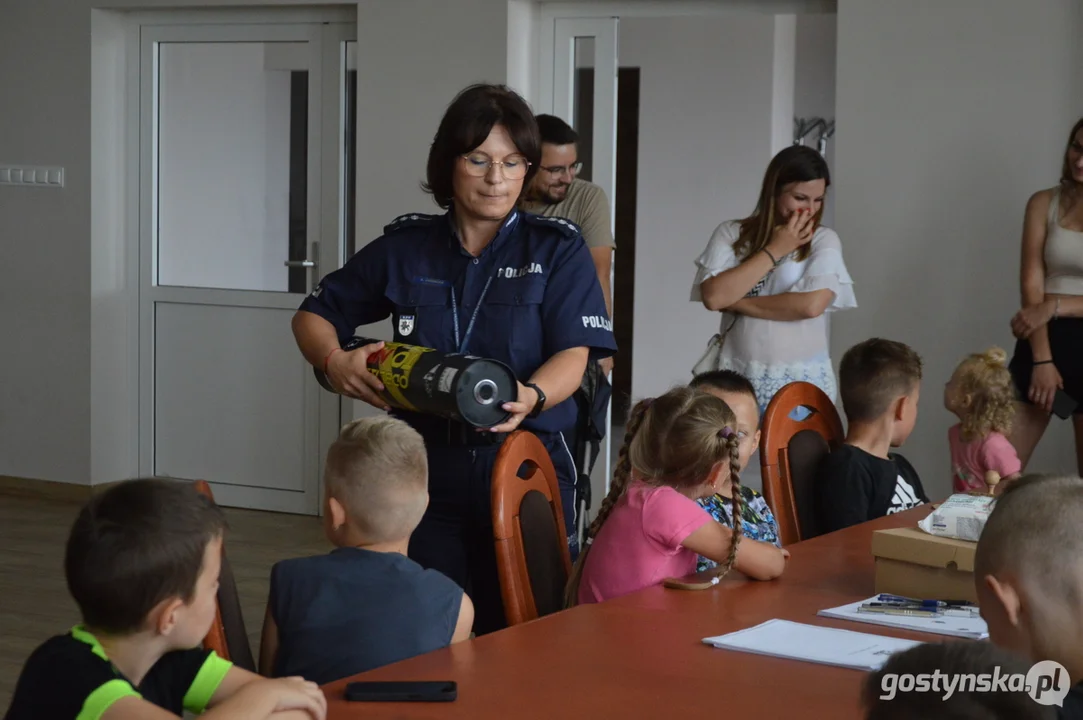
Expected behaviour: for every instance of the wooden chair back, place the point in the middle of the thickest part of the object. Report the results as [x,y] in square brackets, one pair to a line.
[227,636]
[791,451]
[532,555]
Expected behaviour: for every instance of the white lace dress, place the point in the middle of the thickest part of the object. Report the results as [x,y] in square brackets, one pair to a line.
[773,353]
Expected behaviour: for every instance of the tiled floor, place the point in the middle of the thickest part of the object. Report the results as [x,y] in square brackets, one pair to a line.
[34,602]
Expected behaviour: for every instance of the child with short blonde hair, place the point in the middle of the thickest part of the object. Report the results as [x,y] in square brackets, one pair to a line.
[981,394]
[1028,575]
[678,448]
[366,604]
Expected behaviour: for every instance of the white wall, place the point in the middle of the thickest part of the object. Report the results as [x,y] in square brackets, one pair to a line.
[784,67]
[814,86]
[51,392]
[224,167]
[950,114]
[704,141]
[114,437]
[523,22]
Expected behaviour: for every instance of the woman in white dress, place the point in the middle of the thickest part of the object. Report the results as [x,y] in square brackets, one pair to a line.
[774,276]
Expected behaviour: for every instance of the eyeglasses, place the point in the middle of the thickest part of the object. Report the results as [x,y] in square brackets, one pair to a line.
[478,164]
[572,169]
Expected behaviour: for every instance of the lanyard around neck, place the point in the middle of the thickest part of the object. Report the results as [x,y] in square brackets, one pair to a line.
[461,344]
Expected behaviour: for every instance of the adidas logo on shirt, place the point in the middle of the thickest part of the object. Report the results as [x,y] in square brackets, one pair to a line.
[904,497]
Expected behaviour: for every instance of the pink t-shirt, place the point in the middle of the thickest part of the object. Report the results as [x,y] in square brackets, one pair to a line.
[971,460]
[640,543]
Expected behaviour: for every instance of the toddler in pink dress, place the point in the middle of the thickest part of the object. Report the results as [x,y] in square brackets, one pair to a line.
[982,395]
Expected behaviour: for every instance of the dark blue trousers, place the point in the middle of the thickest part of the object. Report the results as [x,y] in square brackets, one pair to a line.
[456,534]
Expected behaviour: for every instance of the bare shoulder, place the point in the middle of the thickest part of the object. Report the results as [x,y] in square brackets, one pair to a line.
[1039,201]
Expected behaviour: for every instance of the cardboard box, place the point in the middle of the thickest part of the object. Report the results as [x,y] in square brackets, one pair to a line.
[916,564]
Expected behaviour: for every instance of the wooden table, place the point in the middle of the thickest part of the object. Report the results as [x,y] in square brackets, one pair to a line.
[641,655]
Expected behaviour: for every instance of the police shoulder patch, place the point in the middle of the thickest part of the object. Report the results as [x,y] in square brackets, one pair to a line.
[565,227]
[408,221]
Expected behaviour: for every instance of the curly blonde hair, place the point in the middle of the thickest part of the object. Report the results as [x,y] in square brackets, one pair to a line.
[987,392]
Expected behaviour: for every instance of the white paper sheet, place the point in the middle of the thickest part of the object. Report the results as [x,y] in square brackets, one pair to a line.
[812,643]
[973,628]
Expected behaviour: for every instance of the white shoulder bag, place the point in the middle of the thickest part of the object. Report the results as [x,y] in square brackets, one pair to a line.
[712,356]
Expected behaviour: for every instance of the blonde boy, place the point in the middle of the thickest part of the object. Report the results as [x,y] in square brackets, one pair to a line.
[365,604]
[1029,574]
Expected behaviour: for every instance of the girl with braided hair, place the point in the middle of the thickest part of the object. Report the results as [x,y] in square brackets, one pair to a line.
[678,448]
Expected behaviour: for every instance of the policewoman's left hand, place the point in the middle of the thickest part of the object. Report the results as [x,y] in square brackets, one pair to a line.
[525,402]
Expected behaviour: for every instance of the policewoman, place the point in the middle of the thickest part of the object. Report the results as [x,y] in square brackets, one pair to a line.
[483,279]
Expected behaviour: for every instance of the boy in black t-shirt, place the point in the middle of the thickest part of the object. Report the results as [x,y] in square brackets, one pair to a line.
[879,381]
[142,564]
[1028,573]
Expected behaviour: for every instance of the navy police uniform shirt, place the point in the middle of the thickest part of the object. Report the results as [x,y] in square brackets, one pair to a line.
[532,293]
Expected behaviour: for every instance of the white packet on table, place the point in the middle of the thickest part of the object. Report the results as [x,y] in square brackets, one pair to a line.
[961,516]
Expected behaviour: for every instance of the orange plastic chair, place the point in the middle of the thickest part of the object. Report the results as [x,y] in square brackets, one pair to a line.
[532,556]
[790,451]
[227,636]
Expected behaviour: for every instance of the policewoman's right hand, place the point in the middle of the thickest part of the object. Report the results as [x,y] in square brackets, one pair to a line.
[349,374]
[797,231]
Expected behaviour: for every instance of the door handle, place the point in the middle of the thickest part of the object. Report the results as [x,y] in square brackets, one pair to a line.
[300,264]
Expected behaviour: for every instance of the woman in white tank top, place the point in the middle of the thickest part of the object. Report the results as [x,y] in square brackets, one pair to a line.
[1048,359]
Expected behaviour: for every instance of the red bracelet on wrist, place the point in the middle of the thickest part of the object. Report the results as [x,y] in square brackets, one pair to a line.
[328,359]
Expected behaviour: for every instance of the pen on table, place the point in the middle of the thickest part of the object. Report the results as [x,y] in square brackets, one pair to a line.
[898,610]
[900,600]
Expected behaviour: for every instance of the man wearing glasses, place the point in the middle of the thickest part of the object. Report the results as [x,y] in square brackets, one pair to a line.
[557,191]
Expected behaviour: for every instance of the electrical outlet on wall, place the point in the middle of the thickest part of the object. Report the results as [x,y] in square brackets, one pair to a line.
[29,175]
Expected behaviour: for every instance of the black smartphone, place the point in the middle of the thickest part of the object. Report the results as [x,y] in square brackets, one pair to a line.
[1064,405]
[402,691]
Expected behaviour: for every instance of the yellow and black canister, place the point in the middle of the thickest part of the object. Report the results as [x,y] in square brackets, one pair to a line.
[459,387]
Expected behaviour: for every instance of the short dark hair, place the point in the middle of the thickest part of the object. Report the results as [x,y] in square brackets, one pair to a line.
[467,122]
[873,374]
[724,380]
[135,545]
[964,660]
[555,131]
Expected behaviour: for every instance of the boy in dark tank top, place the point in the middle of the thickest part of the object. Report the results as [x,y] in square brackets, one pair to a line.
[365,604]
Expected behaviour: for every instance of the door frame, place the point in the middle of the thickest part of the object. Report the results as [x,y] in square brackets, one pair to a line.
[330,27]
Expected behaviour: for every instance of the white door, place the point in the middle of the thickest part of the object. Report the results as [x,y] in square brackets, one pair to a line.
[585,50]
[242,187]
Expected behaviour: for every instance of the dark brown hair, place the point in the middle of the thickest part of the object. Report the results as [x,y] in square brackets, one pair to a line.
[468,120]
[135,545]
[1067,178]
[873,374]
[963,661]
[794,164]
[555,131]
[674,440]
[725,381]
